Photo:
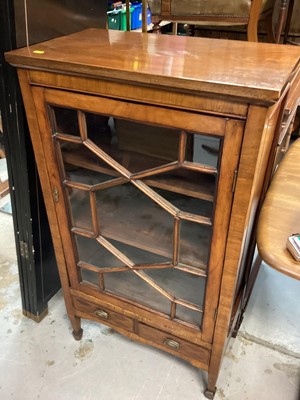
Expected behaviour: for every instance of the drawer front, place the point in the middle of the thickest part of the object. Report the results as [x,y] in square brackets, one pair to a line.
[173,343]
[103,314]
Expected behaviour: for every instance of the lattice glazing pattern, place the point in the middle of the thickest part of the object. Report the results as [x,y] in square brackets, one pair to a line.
[140,201]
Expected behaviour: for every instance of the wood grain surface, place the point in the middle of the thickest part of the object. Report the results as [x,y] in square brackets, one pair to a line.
[280,215]
[248,70]
[231,91]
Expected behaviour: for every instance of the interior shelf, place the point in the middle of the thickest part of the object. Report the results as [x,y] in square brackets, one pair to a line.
[195,184]
[128,216]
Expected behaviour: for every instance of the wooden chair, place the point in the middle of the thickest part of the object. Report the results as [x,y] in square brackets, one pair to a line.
[222,12]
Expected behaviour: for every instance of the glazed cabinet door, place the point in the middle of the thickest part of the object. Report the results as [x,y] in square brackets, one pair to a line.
[143,196]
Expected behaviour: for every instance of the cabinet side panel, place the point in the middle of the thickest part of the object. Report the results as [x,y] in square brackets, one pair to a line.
[45,182]
[256,145]
[260,185]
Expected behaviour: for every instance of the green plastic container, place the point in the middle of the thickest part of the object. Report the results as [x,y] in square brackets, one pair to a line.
[123,19]
[114,19]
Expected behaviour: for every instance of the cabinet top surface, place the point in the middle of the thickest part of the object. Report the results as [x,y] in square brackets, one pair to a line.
[258,71]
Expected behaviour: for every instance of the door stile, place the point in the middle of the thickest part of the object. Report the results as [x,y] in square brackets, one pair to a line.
[57,191]
[224,196]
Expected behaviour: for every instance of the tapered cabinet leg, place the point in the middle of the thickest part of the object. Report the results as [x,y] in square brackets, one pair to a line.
[213,373]
[210,394]
[76,325]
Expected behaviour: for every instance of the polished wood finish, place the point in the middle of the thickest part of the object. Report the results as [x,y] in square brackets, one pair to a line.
[121,90]
[143,59]
[234,98]
[280,215]
[282,140]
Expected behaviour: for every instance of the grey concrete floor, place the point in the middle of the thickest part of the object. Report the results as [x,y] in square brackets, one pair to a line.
[43,361]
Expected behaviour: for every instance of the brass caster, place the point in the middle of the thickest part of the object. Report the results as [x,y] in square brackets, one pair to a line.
[77,334]
[209,394]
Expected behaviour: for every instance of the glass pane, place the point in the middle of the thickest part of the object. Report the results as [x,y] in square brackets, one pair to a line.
[188,315]
[98,128]
[194,243]
[66,121]
[180,284]
[132,287]
[139,256]
[127,215]
[81,165]
[79,209]
[190,183]
[205,149]
[188,204]
[134,145]
[82,175]
[90,277]
[92,252]
[140,226]
[146,146]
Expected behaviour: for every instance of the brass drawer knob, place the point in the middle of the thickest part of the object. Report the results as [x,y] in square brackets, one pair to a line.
[101,314]
[172,343]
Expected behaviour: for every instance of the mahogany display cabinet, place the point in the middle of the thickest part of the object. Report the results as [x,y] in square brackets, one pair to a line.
[153,153]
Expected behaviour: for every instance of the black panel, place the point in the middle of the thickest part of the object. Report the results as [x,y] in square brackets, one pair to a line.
[47,19]
[38,273]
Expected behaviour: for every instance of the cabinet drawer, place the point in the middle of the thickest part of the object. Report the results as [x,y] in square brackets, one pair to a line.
[103,314]
[173,343]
